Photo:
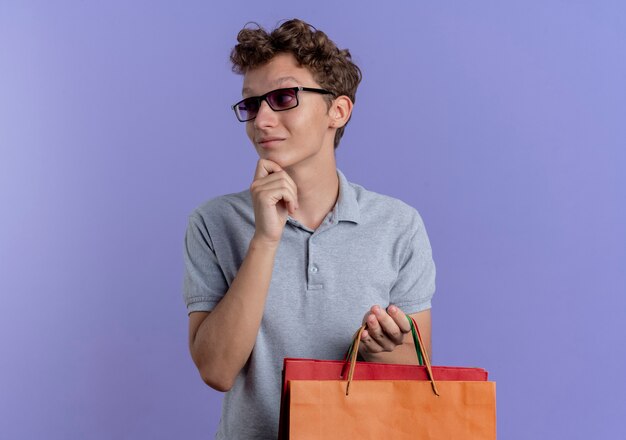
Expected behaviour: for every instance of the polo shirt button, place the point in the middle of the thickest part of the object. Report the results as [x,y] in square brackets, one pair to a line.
[313,269]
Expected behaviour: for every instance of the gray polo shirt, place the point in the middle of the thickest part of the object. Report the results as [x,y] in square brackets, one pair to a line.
[370,249]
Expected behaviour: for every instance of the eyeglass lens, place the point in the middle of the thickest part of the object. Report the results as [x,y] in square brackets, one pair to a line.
[281,99]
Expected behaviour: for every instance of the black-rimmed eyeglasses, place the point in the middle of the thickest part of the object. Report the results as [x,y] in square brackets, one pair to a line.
[279,100]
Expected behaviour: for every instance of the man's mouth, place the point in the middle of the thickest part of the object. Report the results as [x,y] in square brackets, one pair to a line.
[269,141]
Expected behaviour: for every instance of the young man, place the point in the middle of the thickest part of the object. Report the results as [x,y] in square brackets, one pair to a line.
[289,267]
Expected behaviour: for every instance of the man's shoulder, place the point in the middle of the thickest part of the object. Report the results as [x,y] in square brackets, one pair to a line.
[367,197]
[224,207]
[381,206]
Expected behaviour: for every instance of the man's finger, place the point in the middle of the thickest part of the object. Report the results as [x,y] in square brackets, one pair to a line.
[400,318]
[278,176]
[278,190]
[378,333]
[368,344]
[265,167]
[388,325]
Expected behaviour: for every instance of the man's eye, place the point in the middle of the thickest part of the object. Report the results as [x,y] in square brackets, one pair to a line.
[282,99]
[250,105]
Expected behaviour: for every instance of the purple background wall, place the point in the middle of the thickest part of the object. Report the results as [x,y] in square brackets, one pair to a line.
[503,124]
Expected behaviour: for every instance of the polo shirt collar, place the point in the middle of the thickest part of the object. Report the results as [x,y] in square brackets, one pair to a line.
[347,206]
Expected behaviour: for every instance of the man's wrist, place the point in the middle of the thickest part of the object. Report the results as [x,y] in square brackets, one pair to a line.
[262,244]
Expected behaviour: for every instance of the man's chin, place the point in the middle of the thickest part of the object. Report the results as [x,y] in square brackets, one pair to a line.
[281,161]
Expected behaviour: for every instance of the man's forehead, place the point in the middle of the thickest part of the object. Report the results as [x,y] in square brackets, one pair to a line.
[274,83]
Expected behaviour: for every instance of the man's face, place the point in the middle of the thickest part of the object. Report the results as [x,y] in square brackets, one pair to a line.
[299,136]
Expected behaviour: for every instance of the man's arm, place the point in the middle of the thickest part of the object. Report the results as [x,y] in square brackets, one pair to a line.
[221,341]
[388,339]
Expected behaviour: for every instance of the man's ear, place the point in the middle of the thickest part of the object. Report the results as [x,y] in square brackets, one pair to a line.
[340,111]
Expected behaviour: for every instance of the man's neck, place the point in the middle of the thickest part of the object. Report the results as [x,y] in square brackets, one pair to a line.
[318,190]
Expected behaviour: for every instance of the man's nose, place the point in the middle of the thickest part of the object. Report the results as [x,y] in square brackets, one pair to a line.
[265,116]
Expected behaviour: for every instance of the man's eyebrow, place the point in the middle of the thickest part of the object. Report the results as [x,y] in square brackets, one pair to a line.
[285,79]
[276,82]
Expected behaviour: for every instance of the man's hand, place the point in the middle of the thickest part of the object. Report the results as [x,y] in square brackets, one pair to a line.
[385,330]
[274,196]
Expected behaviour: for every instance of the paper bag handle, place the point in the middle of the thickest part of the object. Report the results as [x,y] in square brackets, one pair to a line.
[420,350]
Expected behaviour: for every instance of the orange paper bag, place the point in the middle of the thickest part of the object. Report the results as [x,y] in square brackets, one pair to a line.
[391,409]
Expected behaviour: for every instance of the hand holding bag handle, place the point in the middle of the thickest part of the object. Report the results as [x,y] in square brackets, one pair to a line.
[420,350]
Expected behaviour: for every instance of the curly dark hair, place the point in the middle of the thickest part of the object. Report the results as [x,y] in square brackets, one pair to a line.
[330,66]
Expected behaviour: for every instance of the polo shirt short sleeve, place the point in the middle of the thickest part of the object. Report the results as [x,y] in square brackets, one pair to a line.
[415,285]
[204,282]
